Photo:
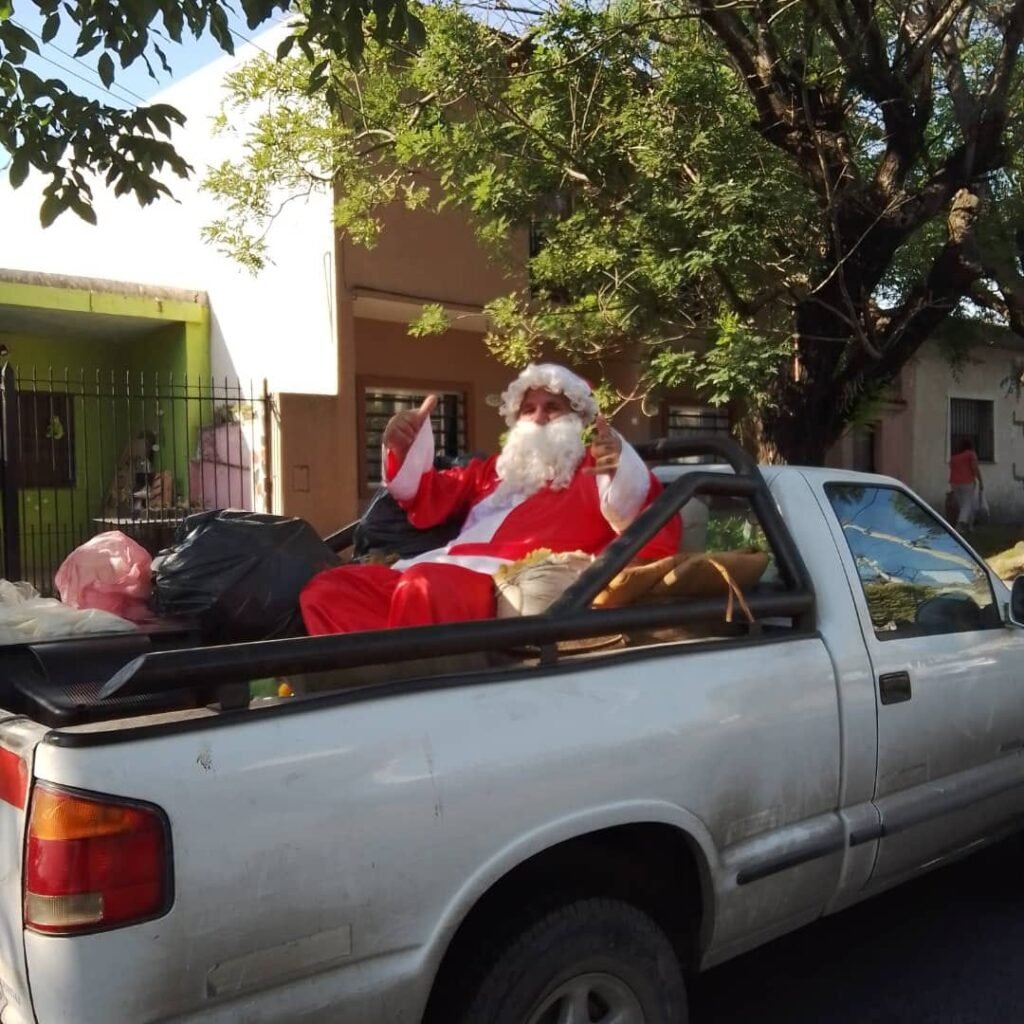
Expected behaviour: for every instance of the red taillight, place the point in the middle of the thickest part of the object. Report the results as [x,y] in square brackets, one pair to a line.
[13,779]
[93,862]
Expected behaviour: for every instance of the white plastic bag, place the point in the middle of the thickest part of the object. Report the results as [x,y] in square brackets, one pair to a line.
[26,617]
[983,514]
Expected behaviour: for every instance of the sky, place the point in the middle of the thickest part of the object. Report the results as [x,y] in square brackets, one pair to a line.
[132,85]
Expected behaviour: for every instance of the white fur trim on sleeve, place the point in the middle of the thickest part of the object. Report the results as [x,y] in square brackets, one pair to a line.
[623,495]
[418,460]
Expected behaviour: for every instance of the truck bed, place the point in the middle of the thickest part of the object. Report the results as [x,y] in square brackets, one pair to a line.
[57,682]
[164,666]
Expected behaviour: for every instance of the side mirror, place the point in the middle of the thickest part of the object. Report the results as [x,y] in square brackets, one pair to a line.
[1017,602]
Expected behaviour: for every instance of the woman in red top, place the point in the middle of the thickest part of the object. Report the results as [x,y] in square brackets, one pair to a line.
[963,475]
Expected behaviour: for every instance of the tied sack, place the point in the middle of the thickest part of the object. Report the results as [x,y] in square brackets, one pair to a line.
[531,585]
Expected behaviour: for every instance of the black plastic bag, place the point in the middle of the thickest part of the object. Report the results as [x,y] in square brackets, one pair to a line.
[239,574]
[385,528]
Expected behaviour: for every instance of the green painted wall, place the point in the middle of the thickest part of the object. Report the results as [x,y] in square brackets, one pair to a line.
[112,388]
[120,386]
[144,382]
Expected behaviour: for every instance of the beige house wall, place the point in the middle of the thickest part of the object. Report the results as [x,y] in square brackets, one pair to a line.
[984,377]
[310,454]
[912,437]
[421,257]
[893,435]
[432,257]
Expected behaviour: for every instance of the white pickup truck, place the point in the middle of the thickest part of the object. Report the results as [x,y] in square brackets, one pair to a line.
[512,822]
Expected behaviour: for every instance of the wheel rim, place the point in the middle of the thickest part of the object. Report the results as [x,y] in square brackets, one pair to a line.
[589,999]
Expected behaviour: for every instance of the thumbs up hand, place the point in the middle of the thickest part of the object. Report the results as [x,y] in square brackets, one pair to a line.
[605,448]
[402,428]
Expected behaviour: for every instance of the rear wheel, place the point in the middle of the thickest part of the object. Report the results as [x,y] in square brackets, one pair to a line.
[593,961]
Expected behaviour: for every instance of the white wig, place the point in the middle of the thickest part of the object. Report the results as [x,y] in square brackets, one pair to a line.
[556,379]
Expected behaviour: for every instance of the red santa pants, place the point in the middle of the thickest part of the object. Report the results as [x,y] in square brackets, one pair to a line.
[357,597]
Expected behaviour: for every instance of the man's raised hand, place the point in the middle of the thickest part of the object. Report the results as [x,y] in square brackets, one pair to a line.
[403,427]
[605,448]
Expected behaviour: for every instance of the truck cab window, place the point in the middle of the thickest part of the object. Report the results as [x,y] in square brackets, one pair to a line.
[918,579]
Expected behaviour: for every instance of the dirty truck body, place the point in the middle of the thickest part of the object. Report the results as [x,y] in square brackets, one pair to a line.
[353,854]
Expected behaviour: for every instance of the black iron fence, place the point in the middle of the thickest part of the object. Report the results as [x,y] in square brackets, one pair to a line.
[82,452]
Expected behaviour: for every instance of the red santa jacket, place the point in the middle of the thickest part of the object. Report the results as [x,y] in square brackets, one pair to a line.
[585,516]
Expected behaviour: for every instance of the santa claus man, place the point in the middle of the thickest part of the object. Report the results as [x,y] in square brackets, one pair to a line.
[545,490]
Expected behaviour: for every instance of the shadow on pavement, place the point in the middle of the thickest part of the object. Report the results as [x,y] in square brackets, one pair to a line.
[946,949]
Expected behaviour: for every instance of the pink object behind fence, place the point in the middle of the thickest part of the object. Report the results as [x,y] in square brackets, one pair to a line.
[110,572]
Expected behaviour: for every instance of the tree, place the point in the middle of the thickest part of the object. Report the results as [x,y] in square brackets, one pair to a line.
[66,136]
[775,200]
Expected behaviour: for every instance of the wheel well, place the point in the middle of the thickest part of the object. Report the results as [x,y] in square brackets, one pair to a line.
[653,866]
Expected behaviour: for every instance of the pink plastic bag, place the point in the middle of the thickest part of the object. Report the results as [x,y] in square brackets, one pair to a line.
[109,572]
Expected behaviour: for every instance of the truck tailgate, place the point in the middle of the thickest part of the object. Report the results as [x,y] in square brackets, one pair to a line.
[18,739]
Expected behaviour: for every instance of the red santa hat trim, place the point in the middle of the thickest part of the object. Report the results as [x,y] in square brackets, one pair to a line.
[556,379]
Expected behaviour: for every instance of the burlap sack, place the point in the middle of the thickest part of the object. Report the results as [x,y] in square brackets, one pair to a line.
[689,575]
[531,585]
[697,576]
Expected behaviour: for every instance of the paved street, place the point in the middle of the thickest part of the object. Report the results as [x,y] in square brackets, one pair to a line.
[948,949]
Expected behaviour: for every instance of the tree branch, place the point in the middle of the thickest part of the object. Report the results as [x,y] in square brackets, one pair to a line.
[964,107]
[932,35]
[1006,65]
[951,275]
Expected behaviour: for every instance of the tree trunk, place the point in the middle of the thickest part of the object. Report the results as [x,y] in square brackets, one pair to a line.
[794,440]
[752,435]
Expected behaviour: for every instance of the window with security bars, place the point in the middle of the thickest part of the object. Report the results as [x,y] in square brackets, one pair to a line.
[448,420]
[46,421]
[689,420]
[972,419]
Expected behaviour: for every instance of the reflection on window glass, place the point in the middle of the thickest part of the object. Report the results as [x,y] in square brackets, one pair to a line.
[917,577]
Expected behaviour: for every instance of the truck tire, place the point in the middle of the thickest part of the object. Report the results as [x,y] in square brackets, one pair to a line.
[593,961]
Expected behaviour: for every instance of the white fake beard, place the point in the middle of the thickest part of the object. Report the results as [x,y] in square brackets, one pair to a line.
[535,455]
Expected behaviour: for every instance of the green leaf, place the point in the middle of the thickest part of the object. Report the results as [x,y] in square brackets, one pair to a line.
[285,47]
[83,209]
[51,209]
[163,59]
[32,86]
[166,110]
[174,20]
[432,320]
[105,67]
[19,169]
[50,27]
[6,9]
[221,30]
[355,41]
[15,36]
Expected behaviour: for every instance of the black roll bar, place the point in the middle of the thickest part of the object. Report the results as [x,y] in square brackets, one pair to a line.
[205,667]
[746,482]
[568,618]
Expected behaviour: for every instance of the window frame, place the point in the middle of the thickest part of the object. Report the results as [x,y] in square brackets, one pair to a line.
[35,472]
[950,399]
[721,413]
[993,610]
[418,386]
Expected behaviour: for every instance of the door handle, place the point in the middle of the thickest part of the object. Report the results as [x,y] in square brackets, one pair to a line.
[894,687]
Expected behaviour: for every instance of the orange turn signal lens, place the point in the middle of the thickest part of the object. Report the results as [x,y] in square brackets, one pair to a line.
[62,815]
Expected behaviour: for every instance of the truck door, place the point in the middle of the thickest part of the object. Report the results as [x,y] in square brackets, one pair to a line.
[949,692]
